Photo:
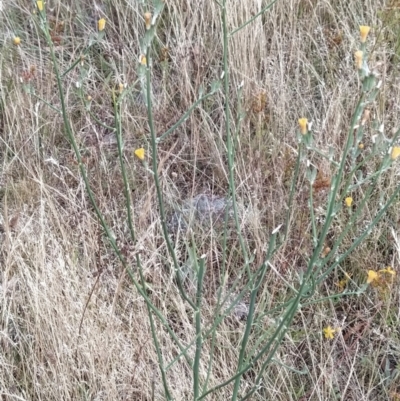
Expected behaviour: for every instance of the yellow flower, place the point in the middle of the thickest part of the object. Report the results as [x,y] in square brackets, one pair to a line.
[121,87]
[388,270]
[303,125]
[358,55]
[343,282]
[143,60]
[40,5]
[17,40]
[372,277]
[348,201]
[101,24]
[139,153]
[361,146]
[364,30]
[395,152]
[329,333]
[147,19]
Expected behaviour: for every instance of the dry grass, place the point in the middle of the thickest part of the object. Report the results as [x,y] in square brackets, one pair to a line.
[72,325]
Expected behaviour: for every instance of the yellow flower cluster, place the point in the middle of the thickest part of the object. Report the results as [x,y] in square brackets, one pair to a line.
[381,278]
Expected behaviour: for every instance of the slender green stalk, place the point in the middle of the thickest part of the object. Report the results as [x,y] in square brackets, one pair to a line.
[266,8]
[245,339]
[283,326]
[98,213]
[79,60]
[251,315]
[154,155]
[367,231]
[292,191]
[156,342]
[211,358]
[354,216]
[100,122]
[337,182]
[229,141]
[199,344]
[185,116]
[127,192]
[312,217]
[45,102]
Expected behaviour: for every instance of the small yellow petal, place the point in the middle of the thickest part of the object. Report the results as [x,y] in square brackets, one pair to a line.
[329,333]
[101,24]
[361,146]
[40,5]
[358,55]
[17,40]
[139,153]
[303,125]
[395,152]
[364,30]
[348,201]
[372,276]
[143,60]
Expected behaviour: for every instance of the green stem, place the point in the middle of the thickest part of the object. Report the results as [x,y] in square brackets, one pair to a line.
[266,8]
[229,141]
[199,344]
[357,242]
[156,342]
[98,213]
[150,119]
[185,116]
[292,191]
[127,192]
[334,191]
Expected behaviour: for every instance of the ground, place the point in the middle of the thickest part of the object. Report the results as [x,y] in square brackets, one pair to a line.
[84,310]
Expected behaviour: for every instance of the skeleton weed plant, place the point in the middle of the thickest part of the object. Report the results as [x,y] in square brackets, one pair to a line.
[258,346]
